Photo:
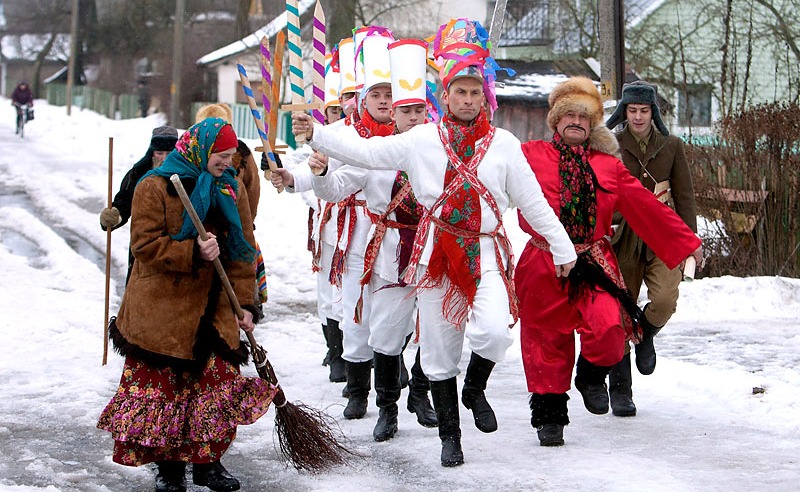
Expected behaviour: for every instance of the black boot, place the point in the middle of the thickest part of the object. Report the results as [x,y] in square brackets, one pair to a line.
[418,401]
[473,397]
[358,384]
[645,351]
[549,417]
[327,359]
[387,387]
[590,380]
[619,388]
[445,401]
[403,373]
[335,362]
[171,476]
[214,476]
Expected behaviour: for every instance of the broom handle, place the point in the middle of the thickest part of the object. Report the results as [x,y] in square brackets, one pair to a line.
[108,250]
[226,283]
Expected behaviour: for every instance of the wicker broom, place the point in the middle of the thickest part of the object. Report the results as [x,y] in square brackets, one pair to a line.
[307,437]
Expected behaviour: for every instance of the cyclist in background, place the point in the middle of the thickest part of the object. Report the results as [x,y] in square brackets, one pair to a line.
[21,97]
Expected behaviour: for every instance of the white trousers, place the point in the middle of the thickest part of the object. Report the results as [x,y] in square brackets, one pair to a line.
[355,337]
[329,296]
[487,328]
[392,316]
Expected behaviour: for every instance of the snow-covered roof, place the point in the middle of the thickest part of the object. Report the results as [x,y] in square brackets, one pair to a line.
[27,46]
[530,86]
[535,80]
[252,40]
[637,11]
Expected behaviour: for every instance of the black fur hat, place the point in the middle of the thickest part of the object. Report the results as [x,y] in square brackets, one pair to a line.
[639,92]
[164,138]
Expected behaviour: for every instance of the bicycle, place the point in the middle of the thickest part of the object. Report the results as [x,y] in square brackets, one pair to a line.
[24,114]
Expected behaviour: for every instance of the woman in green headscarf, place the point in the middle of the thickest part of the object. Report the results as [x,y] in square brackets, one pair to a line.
[181,395]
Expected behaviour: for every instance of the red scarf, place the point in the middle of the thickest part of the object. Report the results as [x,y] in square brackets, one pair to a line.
[367,127]
[456,257]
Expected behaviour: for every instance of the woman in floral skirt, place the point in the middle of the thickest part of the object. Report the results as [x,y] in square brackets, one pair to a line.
[181,395]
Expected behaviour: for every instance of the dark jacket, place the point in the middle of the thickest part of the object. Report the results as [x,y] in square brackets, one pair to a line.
[665,160]
[22,96]
[124,197]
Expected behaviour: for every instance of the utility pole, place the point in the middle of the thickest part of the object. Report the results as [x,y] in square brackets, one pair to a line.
[611,27]
[73,54]
[177,65]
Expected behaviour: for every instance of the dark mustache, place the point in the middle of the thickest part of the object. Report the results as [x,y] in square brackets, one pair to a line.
[577,127]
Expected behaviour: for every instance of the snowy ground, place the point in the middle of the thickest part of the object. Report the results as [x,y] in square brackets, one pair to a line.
[722,412]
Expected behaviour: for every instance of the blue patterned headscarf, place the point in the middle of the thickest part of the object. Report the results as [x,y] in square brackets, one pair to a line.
[190,160]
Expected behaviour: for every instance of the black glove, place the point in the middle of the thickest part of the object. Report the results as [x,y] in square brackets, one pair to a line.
[265,161]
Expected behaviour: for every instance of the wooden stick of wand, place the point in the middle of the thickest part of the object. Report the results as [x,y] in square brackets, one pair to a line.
[305,435]
[108,250]
[277,75]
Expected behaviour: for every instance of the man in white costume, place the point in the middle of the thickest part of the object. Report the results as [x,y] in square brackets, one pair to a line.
[372,117]
[466,173]
[395,213]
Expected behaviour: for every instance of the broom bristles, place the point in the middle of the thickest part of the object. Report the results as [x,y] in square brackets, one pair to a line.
[309,438]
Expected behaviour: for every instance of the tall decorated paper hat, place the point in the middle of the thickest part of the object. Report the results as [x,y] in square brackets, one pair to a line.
[408,61]
[358,64]
[347,65]
[331,83]
[375,52]
[461,48]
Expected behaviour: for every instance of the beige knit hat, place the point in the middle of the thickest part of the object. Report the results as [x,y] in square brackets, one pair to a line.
[575,94]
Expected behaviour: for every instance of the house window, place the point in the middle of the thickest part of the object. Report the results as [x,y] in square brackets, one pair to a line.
[694,105]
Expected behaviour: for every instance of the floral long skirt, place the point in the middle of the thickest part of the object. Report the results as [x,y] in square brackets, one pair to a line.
[163,414]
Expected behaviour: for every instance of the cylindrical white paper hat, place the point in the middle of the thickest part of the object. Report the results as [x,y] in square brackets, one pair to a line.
[331,83]
[347,66]
[376,61]
[408,62]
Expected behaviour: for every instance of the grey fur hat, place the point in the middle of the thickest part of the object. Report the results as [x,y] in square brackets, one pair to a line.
[638,92]
[164,138]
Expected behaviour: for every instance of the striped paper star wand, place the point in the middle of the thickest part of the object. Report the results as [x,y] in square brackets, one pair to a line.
[296,64]
[251,101]
[319,62]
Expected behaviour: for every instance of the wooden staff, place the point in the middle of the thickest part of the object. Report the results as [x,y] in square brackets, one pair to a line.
[306,436]
[108,250]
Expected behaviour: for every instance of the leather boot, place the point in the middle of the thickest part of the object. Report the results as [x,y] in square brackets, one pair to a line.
[327,359]
[418,402]
[645,350]
[590,380]
[472,395]
[171,476]
[358,385]
[335,362]
[549,417]
[445,402]
[214,476]
[387,388]
[619,388]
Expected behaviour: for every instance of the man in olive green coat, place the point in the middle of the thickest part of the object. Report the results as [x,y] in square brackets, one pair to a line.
[658,160]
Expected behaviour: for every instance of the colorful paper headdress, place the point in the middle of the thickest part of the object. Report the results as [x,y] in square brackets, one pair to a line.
[461,48]
[408,61]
